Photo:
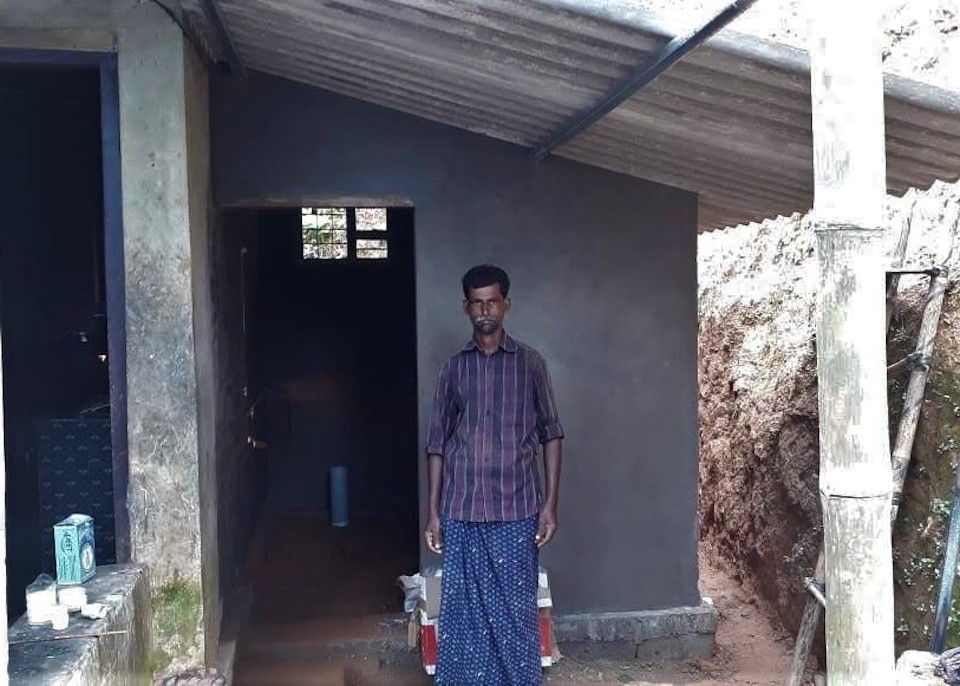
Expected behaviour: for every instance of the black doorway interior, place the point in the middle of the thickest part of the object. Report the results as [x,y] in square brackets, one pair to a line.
[53,315]
[333,364]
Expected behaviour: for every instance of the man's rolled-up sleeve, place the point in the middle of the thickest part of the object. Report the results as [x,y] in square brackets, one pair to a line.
[548,419]
[444,416]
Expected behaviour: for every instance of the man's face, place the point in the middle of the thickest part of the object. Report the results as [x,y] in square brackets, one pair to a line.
[486,307]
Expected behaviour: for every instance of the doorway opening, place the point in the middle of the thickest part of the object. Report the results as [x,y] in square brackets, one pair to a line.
[60,237]
[331,329]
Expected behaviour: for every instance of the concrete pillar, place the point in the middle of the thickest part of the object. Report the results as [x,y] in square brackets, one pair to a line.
[165,182]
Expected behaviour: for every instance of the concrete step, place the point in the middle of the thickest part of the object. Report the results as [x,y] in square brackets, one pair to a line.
[362,651]
[356,672]
[371,634]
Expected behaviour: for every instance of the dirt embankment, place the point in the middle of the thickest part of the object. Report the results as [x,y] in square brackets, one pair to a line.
[759,499]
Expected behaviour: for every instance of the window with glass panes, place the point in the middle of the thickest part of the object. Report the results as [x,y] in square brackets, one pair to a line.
[344,233]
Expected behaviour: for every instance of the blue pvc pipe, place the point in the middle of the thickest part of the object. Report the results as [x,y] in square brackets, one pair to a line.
[948,575]
[339,499]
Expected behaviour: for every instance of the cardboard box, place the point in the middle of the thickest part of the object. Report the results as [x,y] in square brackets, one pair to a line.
[74,545]
[430,595]
[544,598]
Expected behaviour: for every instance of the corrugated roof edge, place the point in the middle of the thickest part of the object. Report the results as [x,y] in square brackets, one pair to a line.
[757,49]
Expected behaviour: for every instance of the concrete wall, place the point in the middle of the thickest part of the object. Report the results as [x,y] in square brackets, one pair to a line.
[162,113]
[241,479]
[203,237]
[605,286]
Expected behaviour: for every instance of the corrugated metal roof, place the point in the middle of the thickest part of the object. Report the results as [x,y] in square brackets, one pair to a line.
[730,122]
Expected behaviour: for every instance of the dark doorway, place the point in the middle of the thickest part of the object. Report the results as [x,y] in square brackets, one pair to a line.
[54,259]
[333,369]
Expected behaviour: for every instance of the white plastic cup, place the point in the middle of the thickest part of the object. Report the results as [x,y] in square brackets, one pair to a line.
[59,617]
[41,597]
[74,597]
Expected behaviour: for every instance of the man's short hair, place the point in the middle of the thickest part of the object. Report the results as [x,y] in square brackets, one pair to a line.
[484,275]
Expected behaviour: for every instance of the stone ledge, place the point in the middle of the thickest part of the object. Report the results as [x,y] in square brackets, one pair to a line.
[676,633]
[918,668]
[112,650]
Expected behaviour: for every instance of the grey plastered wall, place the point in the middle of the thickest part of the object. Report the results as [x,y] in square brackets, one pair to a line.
[203,235]
[604,268]
[240,481]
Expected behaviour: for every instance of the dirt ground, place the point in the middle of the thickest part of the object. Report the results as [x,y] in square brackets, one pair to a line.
[751,650]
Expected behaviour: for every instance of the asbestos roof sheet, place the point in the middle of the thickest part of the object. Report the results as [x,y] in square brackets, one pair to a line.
[730,122]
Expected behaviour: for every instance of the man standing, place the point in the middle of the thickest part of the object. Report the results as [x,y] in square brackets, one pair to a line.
[488,516]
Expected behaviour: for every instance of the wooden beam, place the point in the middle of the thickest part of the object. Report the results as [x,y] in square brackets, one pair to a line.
[855,477]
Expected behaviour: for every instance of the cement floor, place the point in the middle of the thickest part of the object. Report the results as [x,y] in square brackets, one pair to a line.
[305,570]
[325,600]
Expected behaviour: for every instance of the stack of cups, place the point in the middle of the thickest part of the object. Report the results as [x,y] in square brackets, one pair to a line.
[41,599]
[43,606]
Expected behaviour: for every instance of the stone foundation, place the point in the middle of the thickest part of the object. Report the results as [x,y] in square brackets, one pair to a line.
[676,633]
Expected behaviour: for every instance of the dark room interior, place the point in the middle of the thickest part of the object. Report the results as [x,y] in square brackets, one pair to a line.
[333,373]
[53,316]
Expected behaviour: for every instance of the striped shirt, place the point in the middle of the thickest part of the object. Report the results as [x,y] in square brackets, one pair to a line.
[490,416]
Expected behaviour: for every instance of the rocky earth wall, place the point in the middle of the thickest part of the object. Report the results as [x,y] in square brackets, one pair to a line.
[759,499]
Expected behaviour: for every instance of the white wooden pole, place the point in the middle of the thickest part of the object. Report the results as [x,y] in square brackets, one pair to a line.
[855,477]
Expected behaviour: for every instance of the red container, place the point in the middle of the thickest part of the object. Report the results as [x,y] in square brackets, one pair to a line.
[428,647]
[428,644]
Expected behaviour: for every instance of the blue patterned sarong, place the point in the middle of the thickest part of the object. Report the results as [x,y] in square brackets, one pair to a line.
[489,628]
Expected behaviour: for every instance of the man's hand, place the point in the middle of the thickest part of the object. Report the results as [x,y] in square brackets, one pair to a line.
[432,535]
[548,526]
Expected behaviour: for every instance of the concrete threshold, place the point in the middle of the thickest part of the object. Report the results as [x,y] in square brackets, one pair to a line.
[372,633]
[368,650]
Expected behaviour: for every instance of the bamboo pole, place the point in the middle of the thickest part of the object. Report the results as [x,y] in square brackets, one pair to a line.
[849,192]
[807,631]
[900,460]
[916,386]
[899,253]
